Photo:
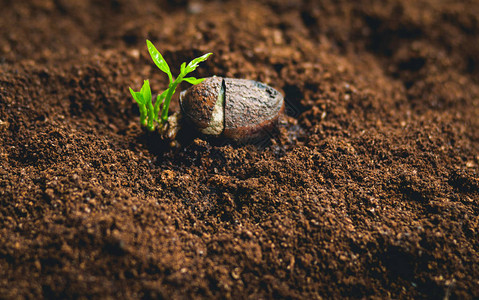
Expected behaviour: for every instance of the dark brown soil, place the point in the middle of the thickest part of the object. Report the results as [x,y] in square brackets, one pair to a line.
[370,189]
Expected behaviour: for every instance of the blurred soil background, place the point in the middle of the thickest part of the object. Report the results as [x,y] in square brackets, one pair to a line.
[369,189]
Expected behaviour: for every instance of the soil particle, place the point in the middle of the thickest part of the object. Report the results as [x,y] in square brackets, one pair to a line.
[368,189]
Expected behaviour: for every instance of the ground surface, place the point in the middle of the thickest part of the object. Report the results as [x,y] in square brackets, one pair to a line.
[370,189]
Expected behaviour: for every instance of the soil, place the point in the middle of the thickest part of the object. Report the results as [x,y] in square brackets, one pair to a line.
[368,189]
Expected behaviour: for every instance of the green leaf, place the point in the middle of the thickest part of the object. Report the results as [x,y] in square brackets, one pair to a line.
[194,63]
[141,105]
[193,80]
[136,96]
[183,66]
[159,60]
[146,92]
[146,95]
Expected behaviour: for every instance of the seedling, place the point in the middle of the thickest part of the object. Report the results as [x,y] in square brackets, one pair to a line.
[236,109]
[155,115]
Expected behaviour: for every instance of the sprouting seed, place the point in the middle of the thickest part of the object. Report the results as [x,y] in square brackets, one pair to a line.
[237,109]
[156,116]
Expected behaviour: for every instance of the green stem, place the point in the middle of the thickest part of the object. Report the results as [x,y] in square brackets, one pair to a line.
[151,118]
[143,114]
[166,105]
[159,101]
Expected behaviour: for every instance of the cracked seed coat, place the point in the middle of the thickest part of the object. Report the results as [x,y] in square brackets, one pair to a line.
[251,108]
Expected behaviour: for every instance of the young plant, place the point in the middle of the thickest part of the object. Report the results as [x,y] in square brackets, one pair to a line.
[153,115]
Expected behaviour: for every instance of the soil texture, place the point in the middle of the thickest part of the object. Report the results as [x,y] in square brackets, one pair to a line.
[369,188]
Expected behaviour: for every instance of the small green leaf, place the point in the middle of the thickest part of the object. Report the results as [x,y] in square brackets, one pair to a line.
[146,95]
[194,63]
[136,96]
[159,60]
[182,69]
[141,105]
[146,92]
[193,80]
[202,58]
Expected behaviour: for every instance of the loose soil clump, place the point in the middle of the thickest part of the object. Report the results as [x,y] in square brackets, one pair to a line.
[369,188]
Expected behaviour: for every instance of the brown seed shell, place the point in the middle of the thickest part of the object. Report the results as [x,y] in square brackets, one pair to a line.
[251,108]
[198,101]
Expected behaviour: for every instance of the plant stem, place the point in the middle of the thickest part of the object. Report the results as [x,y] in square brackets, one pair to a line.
[166,105]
